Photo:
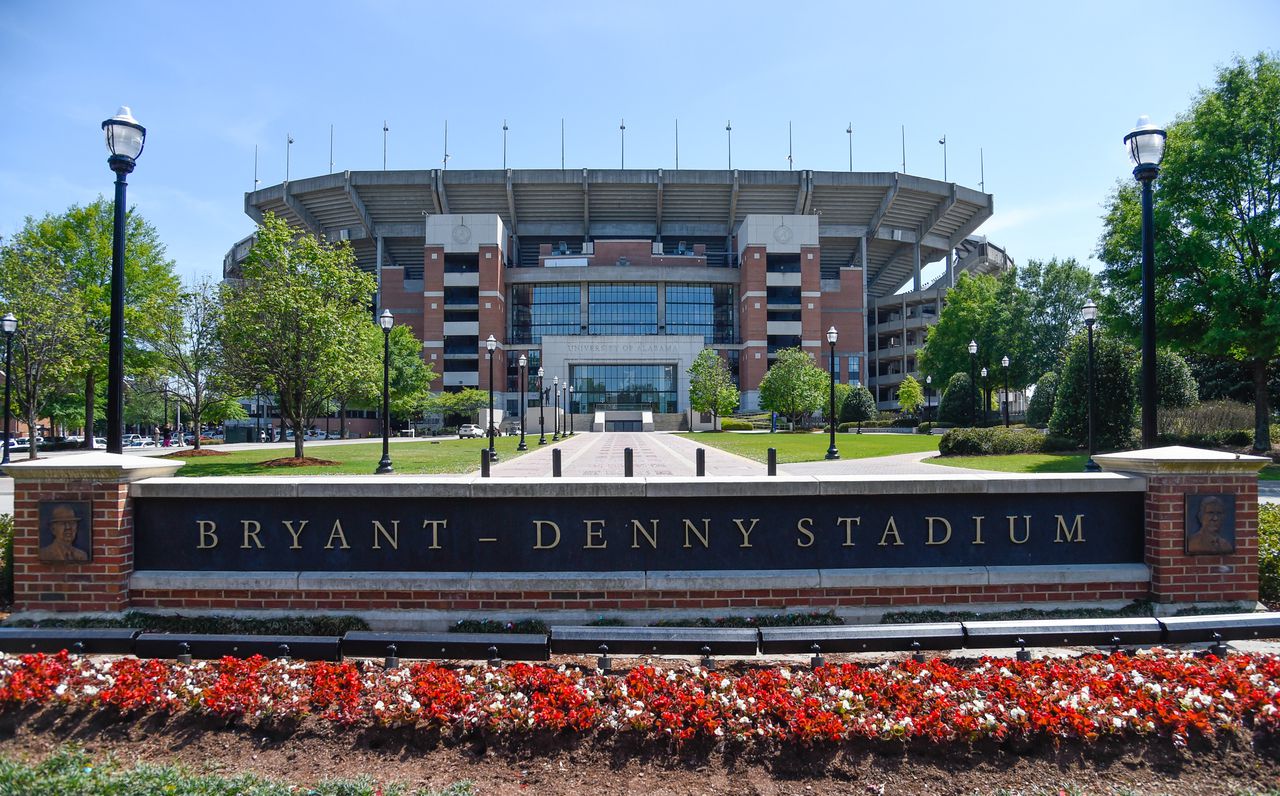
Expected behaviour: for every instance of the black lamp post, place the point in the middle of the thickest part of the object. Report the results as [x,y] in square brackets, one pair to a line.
[386,322]
[564,401]
[973,379]
[1090,312]
[524,389]
[125,139]
[1146,148]
[491,344]
[1004,362]
[10,325]
[832,334]
[555,408]
[570,405]
[986,398]
[928,397]
[542,402]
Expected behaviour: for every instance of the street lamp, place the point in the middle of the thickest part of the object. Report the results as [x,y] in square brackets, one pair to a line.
[491,344]
[10,325]
[832,334]
[986,395]
[386,322]
[1146,148]
[571,410]
[555,408]
[564,401]
[125,139]
[928,396]
[524,391]
[1004,361]
[1090,312]
[973,379]
[542,420]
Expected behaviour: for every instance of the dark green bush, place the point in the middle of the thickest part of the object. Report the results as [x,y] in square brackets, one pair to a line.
[960,402]
[763,620]
[904,421]
[1269,553]
[1116,398]
[858,405]
[6,558]
[730,424]
[996,440]
[172,623]
[536,626]
[1041,407]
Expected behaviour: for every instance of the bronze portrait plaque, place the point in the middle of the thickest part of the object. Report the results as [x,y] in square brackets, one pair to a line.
[66,531]
[1211,524]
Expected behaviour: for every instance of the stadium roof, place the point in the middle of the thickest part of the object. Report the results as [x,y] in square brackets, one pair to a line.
[893,210]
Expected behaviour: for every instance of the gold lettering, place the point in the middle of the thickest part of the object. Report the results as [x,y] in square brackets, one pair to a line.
[251,529]
[208,530]
[288,526]
[594,533]
[849,522]
[393,537]
[436,525]
[337,533]
[704,535]
[1026,528]
[1075,529]
[638,530]
[890,528]
[945,524]
[803,525]
[977,529]
[746,532]
[537,528]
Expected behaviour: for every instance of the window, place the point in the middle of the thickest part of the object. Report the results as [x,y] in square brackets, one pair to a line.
[625,386]
[705,310]
[544,309]
[782,295]
[461,296]
[782,263]
[623,308]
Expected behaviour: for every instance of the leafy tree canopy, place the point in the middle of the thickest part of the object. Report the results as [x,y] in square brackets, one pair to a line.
[794,386]
[711,387]
[910,395]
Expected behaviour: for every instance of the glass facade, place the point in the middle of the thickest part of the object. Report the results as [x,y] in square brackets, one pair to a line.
[630,386]
[544,309]
[622,308]
[705,310]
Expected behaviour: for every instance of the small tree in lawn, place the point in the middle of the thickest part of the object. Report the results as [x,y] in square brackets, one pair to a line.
[910,395]
[186,341]
[295,322]
[959,406]
[794,386]
[711,387]
[858,407]
[1115,395]
[1040,409]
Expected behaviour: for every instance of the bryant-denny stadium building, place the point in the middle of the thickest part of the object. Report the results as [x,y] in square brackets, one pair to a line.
[614,280]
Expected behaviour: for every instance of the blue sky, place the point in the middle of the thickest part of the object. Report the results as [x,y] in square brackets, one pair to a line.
[1045,91]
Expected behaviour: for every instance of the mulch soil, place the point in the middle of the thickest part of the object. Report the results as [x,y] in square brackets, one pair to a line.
[559,763]
[299,461]
[193,453]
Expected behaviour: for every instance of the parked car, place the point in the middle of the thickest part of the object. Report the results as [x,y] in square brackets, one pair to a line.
[141,442]
[128,439]
[470,430]
[100,443]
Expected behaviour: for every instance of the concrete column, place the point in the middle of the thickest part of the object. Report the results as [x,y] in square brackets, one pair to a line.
[94,487]
[1189,562]
[915,265]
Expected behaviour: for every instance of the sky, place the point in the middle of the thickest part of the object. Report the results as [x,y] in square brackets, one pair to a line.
[1033,99]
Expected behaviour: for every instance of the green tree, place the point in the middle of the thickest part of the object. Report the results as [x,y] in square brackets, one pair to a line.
[1040,409]
[1175,386]
[467,403]
[1115,392]
[36,286]
[960,404]
[187,344]
[910,395]
[1055,291]
[410,377]
[711,387]
[794,386]
[1217,230]
[81,237]
[972,312]
[858,407]
[294,322]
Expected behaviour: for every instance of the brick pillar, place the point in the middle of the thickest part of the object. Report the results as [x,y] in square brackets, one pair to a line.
[95,487]
[1178,481]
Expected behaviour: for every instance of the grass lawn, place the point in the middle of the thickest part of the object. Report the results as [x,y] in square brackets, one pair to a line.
[408,457]
[1269,473]
[1019,462]
[813,447]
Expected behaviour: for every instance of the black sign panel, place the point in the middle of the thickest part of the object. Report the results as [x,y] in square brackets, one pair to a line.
[620,534]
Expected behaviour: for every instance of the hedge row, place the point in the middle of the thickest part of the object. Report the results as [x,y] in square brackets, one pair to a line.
[1269,553]
[998,440]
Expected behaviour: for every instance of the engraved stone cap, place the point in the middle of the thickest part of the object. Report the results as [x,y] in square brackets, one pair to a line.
[95,466]
[1177,459]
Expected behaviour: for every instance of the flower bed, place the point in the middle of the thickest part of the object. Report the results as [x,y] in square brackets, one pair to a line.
[1160,693]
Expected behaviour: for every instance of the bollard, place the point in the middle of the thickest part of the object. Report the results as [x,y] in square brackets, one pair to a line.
[484,463]
[628,468]
[555,462]
[702,461]
[773,461]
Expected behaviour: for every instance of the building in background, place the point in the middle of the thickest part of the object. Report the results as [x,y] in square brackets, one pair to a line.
[613,280]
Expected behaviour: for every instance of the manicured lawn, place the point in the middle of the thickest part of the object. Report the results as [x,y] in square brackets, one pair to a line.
[1270,473]
[813,447]
[408,457]
[1019,462]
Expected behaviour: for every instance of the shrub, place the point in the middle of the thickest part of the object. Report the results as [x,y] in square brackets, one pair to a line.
[959,405]
[1041,407]
[904,421]
[1114,390]
[1209,423]
[1175,386]
[995,440]
[858,406]
[535,626]
[6,557]
[233,625]
[732,424]
[764,620]
[1269,553]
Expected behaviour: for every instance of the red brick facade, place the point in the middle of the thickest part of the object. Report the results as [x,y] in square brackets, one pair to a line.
[1178,577]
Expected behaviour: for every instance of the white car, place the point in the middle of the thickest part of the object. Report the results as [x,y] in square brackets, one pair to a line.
[100,443]
[141,442]
[470,430]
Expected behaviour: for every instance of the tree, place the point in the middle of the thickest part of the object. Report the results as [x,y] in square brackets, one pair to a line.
[959,404]
[410,377]
[910,395]
[794,386]
[36,286]
[711,387]
[1040,409]
[466,403]
[972,312]
[295,322]
[1175,386]
[858,407]
[1217,230]
[1115,392]
[188,345]
[81,237]
[1055,292]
